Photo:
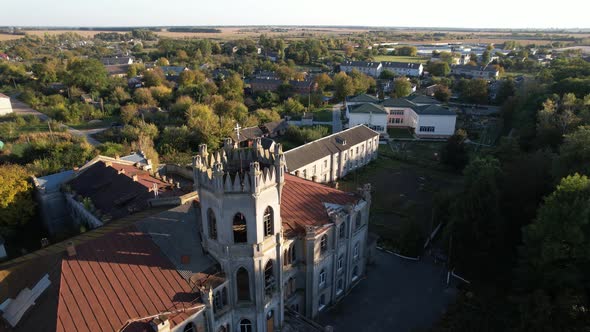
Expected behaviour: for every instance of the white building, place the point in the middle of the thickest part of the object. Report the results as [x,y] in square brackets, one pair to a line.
[5,105]
[332,157]
[371,115]
[369,68]
[423,114]
[485,72]
[404,68]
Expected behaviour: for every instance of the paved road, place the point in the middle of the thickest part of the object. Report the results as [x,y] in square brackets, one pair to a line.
[21,108]
[336,122]
[396,296]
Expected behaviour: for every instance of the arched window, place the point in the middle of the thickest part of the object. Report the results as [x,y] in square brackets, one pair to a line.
[245,325]
[342,230]
[222,329]
[224,296]
[269,279]
[268,222]
[239,228]
[292,252]
[358,221]
[216,302]
[286,257]
[190,327]
[212,224]
[324,243]
[243,283]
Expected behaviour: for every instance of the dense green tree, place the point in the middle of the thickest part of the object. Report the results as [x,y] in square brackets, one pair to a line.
[16,197]
[402,88]
[454,153]
[442,93]
[343,86]
[439,68]
[87,74]
[232,88]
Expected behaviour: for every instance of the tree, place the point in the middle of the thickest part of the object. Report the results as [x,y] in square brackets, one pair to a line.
[454,152]
[232,88]
[474,90]
[574,153]
[387,75]
[555,246]
[343,86]
[17,206]
[362,82]
[478,238]
[485,57]
[402,88]
[292,107]
[162,62]
[205,123]
[88,74]
[406,51]
[265,115]
[323,80]
[154,77]
[143,96]
[439,68]
[129,112]
[442,93]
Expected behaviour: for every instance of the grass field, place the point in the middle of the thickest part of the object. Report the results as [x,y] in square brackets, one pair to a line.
[396,58]
[399,133]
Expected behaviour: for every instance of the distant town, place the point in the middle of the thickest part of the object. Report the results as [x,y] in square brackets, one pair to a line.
[294,179]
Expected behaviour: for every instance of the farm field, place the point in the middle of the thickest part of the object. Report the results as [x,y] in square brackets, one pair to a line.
[399,58]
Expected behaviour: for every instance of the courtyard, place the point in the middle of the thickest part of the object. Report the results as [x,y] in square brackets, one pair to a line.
[397,295]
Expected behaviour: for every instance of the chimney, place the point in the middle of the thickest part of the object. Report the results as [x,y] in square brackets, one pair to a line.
[160,324]
[71,249]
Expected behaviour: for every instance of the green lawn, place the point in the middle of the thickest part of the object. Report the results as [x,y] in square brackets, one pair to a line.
[323,115]
[399,58]
[105,122]
[399,133]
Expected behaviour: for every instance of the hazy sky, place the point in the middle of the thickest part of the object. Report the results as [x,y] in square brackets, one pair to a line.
[421,13]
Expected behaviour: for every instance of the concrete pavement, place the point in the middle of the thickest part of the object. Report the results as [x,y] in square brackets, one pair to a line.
[397,295]
[23,109]
[336,122]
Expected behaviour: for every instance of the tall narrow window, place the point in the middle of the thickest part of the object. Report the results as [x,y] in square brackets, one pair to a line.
[269,278]
[356,251]
[268,221]
[355,273]
[190,327]
[292,252]
[322,278]
[342,230]
[358,221]
[322,303]
[243,283]
[224,296]
[324,243]
[239,228]
[212,224]
[340,262]
[340,286]
[216,301]
[245,326]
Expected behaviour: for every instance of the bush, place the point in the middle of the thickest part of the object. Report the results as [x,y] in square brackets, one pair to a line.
[411,238]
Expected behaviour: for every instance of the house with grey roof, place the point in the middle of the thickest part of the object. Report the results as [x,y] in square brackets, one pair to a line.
[403,68]
[486,72]
[332,157]
[370,68]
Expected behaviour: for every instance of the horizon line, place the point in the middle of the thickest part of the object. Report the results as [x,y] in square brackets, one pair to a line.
[74,27]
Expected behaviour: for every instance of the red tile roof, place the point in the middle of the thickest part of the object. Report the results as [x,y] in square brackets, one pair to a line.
[117,277]
[302,203]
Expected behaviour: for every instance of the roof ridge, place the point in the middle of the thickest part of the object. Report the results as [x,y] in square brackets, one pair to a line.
[326,137]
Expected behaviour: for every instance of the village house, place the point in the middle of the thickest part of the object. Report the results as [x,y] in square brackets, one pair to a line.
[266,130]
[369,68]
[486,72]
[117,70]
[256,245]
[117,60]
[332,157]
[5,105]
[265,83]
[403,68]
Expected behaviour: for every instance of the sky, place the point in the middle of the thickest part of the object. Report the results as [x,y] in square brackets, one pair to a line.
[393,13]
